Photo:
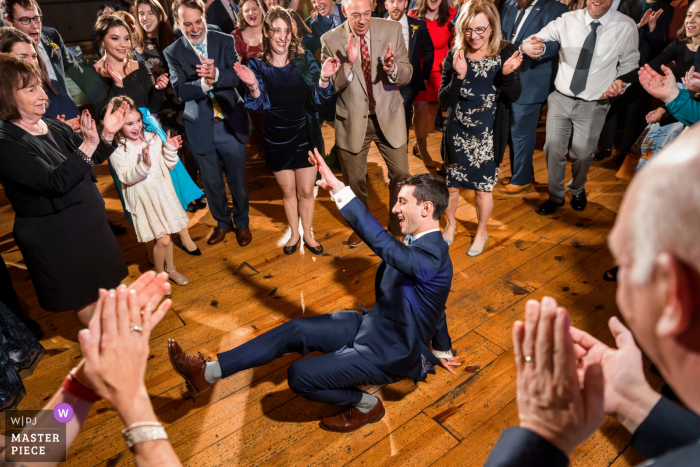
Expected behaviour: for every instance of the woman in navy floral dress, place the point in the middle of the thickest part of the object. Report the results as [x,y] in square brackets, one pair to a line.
[479,79]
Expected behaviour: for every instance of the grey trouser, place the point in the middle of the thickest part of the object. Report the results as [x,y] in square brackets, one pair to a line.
[586,120]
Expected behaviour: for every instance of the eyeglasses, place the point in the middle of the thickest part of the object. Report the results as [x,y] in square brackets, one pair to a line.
[27,21]
[479,31]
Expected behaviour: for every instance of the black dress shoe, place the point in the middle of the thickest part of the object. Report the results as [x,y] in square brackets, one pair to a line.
[195,252]
[117,229]
[288,250]
[549,207]
[201,202]
[602,154]
[579,202]
[192,207]
[620,158]
[315,250]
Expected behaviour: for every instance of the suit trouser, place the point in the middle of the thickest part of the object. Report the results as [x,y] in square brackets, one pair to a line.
[328,378]
[354,167]
[226,154]
[408,94]
[585,120]
[523,136]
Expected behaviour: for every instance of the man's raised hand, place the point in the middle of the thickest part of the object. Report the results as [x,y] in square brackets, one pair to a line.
[389,60]
[328,180]
[353,49]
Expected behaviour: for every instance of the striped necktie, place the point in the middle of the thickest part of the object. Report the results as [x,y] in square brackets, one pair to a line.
[218,113]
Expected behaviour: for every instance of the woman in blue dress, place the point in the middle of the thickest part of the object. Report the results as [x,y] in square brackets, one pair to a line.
[286,84]
[479,80]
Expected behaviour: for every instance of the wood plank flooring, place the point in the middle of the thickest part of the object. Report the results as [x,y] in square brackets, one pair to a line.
[237,293]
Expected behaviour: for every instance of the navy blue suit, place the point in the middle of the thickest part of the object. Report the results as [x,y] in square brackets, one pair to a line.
[537,77]
[214,143]
[389,343]
[63,63]
[319,26]
[218,14]
[670,436]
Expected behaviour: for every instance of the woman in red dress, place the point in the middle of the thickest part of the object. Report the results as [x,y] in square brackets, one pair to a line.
[438,16]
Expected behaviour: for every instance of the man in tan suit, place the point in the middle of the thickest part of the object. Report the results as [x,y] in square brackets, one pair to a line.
[369,105]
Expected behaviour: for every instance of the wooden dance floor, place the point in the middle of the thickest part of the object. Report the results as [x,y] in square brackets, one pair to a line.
[237,293]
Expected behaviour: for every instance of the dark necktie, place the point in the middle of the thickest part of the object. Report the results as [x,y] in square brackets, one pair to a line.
[521,13]
[578,82]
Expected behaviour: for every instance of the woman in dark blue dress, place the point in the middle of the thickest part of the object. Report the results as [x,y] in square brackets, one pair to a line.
[286,84]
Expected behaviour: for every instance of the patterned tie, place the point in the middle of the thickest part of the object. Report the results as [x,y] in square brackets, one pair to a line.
[218,113]
[408,240]
[578,82]
[367,71]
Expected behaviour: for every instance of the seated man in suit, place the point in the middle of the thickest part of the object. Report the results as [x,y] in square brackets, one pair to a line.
[420,47]
[216,123]
[25,15]
[224,14]
[567,379]
[389,343]
[521,19]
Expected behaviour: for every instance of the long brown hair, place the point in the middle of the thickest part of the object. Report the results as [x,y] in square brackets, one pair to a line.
[11,36]
[166,36]
[680,35]
[443,11]
[242,23]
[295,50]
[302,28]
[104,24]
[467,13]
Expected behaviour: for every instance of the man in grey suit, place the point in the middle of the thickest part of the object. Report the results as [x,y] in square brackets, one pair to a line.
[369,106]
[567,379]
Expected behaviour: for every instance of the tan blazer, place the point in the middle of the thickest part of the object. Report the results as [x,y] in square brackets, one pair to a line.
[352,105]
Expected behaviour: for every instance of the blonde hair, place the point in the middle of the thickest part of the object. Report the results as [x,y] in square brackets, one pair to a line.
[467,13]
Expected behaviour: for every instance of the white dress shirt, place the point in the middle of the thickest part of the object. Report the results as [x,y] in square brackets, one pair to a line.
[404,29]
[47,61]
[346,195]
[616,51]
[205,87]
[348,69]
[522,21]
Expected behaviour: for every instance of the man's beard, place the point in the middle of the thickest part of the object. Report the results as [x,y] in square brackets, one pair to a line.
[199,40]
[523,4]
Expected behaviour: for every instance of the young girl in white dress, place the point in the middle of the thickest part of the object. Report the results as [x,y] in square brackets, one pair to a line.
[143,167]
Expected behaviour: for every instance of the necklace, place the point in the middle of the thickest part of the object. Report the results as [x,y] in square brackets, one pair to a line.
[42,130]
[284,62]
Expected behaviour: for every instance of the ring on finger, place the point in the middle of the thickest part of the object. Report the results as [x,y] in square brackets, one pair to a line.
[529,359]
[136,328]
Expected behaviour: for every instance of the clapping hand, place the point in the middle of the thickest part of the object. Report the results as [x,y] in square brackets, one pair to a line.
[206,70]
[655,116]
[660,86]
[89,129]
[330,67]
[113,121]
[245,74]
[615,89]
[74,123]
[652,19]
[113,73]
[459,63]
[533,47]
[162,81]
[146,156]
[513,63]
[328,180]
[554,401]
[692,80]
[174,141]
[389,61]
[353,49]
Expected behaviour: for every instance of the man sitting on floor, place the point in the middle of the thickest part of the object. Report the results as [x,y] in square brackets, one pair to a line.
[381,347]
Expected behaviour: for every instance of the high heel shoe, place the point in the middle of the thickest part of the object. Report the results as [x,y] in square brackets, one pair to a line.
[451,239]
[176,277]
[424,154]
[195,252]
[476,252]
[315,250]
[288,250]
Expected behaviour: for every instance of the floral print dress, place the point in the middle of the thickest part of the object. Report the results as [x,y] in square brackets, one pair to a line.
[472,127]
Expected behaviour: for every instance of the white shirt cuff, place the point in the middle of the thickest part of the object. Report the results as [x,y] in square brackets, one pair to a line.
[348,73]
[205,87]
[343,197]
[394,74]
[443,353]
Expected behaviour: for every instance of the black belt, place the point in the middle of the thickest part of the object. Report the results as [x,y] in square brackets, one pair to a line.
[578,98]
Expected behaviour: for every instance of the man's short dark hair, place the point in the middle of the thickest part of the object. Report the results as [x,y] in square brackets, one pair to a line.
[7,7]
[429,187]
[195,4]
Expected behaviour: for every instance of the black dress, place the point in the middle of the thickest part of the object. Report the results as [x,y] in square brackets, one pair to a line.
[60,224]
[20,351]
[290,99]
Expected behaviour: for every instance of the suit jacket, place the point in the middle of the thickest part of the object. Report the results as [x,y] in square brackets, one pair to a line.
[199,112]
[670,435]
[419,45]
[411,288]
[537,76]
[63,64]
[322,24]
[218,14]
[352,105]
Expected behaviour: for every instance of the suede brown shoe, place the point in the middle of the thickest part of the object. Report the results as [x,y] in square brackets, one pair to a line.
[352,419]
[243,237]
[354,241]
[511,189]
[189,367]
[218,235]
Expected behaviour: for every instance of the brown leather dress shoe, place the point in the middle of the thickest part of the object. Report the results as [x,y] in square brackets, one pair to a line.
[189,367]
[511,189]
[244,237]
[354,240]
[352,419]
[218,235]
